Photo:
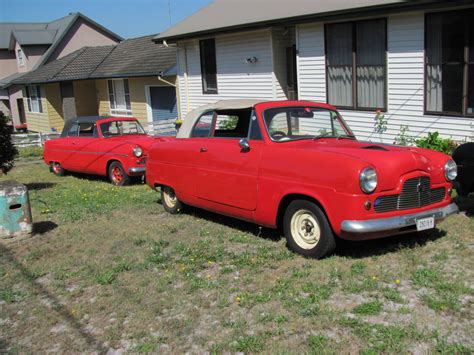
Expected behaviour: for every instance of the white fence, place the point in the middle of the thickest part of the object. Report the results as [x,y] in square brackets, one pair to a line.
[32,139]
[159,128]
[162,128]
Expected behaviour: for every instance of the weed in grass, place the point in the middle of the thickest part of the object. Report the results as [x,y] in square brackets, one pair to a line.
[216,349]
[300,274]
[366,285]
[392,294]
[369,308]
[239,238]
[318,291]
[281,318]
[425,277]
[10,296]
[249,344]
[335,276]
[357,268]
[106,278]
[317,343]
[139,242]
[443,347]
[441,256]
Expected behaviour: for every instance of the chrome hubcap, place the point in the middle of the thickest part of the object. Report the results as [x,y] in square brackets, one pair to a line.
[170,197]
[305,229]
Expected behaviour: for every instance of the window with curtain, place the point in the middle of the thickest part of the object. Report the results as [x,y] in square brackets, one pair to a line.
[119,97]
[33,99]
[450,63]
[207,49]
[356,64]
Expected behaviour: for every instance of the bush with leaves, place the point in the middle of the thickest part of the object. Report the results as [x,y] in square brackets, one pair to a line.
[7,150]
[435,142]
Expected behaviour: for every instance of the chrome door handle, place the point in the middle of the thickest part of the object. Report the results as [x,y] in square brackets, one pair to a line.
[203,150]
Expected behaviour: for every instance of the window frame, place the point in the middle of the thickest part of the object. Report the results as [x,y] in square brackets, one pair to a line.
[37,96]
[355,106]
[467,63]
[114,112]
[21,57]
[205,90]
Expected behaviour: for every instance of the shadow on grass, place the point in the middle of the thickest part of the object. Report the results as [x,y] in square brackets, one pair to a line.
[40,185]
[57,307]
[3,346]
[386,245]
[465,204]
[43,227]
[133,181]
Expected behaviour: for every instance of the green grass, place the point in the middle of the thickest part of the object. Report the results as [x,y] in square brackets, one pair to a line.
[108,269]
[30,153]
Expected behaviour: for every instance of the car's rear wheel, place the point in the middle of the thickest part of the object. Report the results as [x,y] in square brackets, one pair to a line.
[170,201]
[307,230]
[117,174]
[56,168]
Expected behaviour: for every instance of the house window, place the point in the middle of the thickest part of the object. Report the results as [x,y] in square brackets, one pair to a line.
[449,63]
[33,99]
[119,97]
[207,49]
[356,64]
[21,58]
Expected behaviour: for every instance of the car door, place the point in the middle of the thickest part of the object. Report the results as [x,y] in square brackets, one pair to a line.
[227,173]
[66,147]
[85,148]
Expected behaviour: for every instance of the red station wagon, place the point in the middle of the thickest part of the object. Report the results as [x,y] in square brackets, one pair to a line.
[297,165]
[111,146]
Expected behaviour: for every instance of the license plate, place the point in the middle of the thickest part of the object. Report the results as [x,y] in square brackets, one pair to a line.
[425,223]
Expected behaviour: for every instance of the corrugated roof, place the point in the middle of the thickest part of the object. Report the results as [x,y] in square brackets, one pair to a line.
[133,57]
[223,15]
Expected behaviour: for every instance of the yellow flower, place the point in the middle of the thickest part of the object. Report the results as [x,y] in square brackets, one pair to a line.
[374,277]
[210,262]
[209,276]
[237,299]
[397,281]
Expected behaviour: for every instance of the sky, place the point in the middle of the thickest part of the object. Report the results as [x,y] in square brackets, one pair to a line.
[127,18]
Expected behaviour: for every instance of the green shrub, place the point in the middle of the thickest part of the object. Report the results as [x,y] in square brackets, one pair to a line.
[8,151]
[435,142]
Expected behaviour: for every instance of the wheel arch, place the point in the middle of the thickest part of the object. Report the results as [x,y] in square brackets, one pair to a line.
[109,162]
[290,197]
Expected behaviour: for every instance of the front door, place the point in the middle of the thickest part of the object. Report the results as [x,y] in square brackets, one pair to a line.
[21,110]
[68,101]
[163,103]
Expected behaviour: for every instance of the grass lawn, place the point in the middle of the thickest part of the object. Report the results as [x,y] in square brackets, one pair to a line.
[109,269]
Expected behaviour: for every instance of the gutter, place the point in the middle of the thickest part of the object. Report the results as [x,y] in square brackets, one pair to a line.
[327,16]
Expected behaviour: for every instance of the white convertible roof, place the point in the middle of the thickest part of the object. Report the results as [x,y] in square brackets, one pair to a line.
[193,116]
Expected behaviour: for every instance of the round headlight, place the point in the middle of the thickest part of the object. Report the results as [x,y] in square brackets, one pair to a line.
[137,151]
[368,180]
[450,170]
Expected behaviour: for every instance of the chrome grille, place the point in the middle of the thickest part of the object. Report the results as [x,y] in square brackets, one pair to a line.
[416,193]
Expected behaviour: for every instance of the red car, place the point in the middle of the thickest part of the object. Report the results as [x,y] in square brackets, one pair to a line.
[297,165]
[112,146]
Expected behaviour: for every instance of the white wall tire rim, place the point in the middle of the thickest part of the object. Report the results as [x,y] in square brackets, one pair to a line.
[305,229]
[170,197]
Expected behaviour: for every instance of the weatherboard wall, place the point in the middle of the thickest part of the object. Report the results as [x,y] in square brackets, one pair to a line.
[405,80]
[235,77]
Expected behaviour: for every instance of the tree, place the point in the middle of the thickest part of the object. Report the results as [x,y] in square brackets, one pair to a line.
[8,151]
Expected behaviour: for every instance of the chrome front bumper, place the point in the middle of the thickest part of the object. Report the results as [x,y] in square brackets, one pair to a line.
[137,170]
[396,223]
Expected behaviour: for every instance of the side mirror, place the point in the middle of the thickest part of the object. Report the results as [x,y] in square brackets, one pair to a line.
[244,145]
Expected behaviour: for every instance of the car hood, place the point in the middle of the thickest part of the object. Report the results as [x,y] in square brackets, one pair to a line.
[390,161]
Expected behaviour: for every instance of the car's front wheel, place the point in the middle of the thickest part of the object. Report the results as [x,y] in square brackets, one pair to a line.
[117,174]
[56,168]
[307,229]
[170,202]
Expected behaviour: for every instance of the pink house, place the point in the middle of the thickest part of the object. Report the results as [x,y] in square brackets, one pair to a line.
[27,46]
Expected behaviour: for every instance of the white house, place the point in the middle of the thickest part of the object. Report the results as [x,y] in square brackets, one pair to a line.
[413,60]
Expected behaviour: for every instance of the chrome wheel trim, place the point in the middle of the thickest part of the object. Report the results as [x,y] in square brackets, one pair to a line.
[169,197]
[305,229]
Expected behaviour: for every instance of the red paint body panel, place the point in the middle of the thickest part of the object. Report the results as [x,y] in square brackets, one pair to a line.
[92,154]
[251,185]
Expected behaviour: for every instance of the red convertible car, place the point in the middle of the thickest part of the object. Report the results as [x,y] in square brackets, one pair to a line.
[296,165]
[112,146]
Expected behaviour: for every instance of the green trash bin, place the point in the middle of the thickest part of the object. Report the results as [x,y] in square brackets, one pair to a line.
[15,211]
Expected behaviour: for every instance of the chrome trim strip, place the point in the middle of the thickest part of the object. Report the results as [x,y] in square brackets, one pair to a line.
[137,170]
[82,152]
[387,224]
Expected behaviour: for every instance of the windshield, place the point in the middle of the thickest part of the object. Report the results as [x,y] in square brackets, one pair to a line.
[292,123]
[121,128]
